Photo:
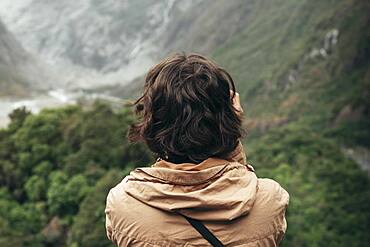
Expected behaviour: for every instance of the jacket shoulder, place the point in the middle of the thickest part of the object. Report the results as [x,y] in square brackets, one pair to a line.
[271,203]
[273,192]
[266,221]
[130,222]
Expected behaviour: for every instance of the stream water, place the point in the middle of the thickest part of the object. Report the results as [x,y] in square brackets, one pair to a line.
[51,99]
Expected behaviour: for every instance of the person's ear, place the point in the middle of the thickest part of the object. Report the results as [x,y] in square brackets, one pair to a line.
[236,102]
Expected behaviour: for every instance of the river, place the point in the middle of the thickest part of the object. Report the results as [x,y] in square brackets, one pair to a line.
[51,99]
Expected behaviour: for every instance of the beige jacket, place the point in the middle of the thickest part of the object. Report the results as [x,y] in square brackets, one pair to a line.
[236,206]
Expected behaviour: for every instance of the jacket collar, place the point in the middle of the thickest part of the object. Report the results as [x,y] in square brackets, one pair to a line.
[214,189]
[185,173]
[208,163]
[192,173]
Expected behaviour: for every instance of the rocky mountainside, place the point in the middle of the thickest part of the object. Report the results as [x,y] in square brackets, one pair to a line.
[19,71]
[303,61]
[111,42]
[92,42]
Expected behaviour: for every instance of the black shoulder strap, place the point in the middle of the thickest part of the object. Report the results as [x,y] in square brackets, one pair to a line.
[202,229]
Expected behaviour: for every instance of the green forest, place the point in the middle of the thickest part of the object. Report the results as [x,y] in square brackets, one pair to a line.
[304,88]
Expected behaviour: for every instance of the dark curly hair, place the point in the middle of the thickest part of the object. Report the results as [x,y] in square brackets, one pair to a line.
[186,111]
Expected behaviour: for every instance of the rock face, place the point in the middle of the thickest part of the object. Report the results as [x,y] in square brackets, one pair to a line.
[99,35]
[92,41]
[19,71]
[98,42]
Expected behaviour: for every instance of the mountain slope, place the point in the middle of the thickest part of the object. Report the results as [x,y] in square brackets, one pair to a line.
[302,52]
[113,42]
[312,69]
[92,42]
[20,73]
[303,72]
[11,54]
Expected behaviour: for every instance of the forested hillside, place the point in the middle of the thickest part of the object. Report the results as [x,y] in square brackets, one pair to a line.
[55,170]
[303,72]
[304,75]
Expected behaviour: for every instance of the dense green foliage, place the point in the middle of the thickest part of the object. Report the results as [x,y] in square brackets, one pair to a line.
[303,111]
[55,171]
[45,200]
[329,194]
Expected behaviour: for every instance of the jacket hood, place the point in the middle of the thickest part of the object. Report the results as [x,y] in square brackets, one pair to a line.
[213,190]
